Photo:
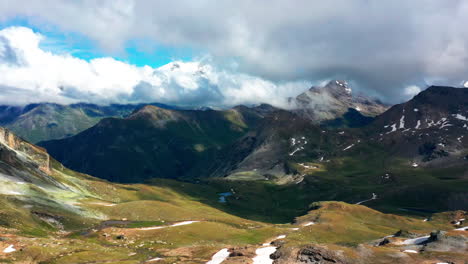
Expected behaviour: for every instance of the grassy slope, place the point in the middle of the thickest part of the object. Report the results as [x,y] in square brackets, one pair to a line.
[140,205]
[338,225]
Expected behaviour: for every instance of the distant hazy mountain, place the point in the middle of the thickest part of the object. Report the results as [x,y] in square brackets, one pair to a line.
[45,121]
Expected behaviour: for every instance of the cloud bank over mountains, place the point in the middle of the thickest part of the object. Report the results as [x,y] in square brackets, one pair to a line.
[30,74]
[390,49]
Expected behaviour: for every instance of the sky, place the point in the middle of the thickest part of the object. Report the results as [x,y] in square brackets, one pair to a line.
[223,53]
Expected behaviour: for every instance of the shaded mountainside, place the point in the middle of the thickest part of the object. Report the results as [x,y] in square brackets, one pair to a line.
[267,151]
[46,121]
[154,142]
[431,129]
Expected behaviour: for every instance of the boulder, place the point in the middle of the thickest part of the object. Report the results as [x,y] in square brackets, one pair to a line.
[318,255]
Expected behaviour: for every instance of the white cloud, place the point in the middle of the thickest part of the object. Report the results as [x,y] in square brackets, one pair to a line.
[412,90]
[30,74]
[381,45]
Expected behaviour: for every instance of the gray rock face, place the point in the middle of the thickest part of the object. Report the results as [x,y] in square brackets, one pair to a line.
[317,255]
[333,101]
[441,242]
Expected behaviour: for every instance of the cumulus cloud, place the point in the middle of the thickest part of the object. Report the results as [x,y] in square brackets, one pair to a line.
[383,46]
[30,74]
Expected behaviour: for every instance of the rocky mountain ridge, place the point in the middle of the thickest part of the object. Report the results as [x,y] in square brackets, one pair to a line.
[333,101]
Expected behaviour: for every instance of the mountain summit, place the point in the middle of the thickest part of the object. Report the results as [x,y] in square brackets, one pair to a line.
[332,101]
[431,127]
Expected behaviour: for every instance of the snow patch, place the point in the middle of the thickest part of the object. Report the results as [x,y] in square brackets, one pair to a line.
[410,251]
[154,259]
[185,223]
[402,122]
[9,249]
[308,224]
[13,193]
[308,167]
[173,225]
[415,241]
[296,150]
[460,117]
[263,255]
[418,124]
[446,124]
[393,128]
[374,196]
[219,257]
[293,141]
[301,142]
[348,147]
[104,204]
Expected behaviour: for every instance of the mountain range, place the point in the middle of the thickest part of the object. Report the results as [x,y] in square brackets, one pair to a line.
[355,181]
[46,121]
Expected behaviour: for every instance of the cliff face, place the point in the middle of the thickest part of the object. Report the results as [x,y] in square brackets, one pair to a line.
[25,150]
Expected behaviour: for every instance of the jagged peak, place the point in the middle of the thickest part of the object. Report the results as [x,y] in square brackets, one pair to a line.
[336,86]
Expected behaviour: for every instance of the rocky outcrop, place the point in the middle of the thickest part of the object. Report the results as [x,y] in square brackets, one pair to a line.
[25,150]
[332,101]
[318,255]
[441,241]
[311,254]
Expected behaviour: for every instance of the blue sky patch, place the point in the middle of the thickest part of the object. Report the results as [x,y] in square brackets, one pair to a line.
[138,52]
